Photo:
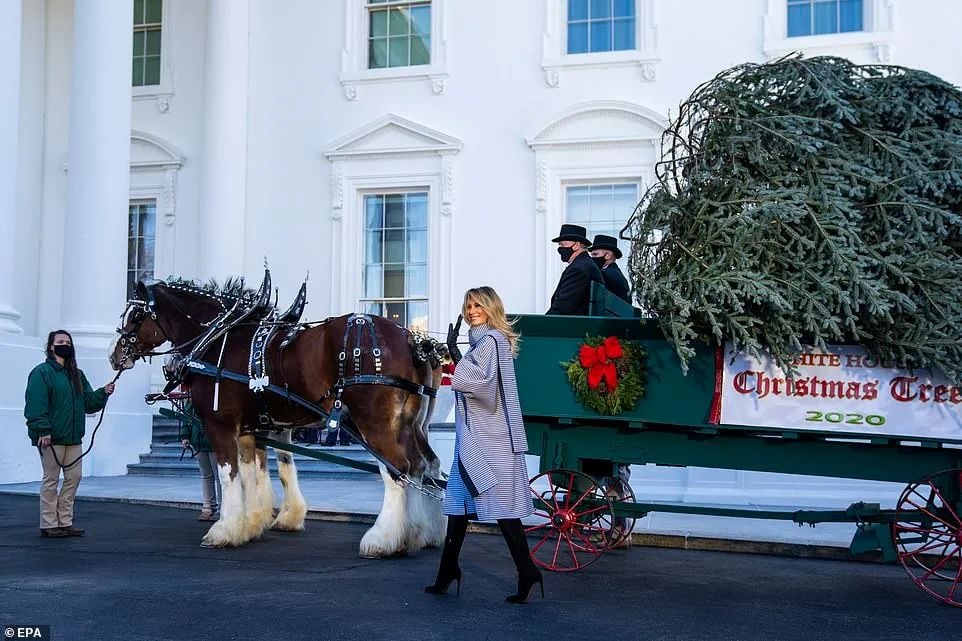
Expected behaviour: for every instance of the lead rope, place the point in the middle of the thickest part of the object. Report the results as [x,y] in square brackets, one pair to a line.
[92,435]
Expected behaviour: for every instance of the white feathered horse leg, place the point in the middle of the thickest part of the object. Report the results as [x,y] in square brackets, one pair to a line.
[388,535]
[231,529]
[294,508]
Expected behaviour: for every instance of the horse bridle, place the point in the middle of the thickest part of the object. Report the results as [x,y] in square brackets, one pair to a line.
[136,312]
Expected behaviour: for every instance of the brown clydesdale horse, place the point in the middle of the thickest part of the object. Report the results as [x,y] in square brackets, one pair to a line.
[392,421]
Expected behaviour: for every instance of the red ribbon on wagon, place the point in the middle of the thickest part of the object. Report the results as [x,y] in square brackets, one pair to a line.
[599,361]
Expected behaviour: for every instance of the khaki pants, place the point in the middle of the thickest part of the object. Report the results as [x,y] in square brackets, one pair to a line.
[57,510]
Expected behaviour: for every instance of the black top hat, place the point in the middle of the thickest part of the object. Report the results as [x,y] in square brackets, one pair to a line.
[573,232]
[606,242]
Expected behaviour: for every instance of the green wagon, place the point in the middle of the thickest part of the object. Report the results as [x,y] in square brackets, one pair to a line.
[576,511]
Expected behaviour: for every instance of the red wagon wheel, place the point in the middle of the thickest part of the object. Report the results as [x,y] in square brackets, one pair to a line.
[928,535]
[619,491]
[572,520]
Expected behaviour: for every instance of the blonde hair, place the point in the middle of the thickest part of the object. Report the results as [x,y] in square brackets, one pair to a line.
[491,303]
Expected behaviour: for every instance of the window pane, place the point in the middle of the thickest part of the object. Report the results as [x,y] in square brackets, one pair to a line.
[420,50]
[145,255]
[147,221]
[421,19]
[373,247]
[153,42]
[154,10]
[600,9]
[396,312]
[577,208]
[417,247]
[600,39]
[378,24]
[601,203]
[394,246]
[624,34]
[418,315]
[132,253]
[138,12]
[374,212]
[416,281]
[417,211]
[578,37]
[397,52]
[394,211]
[624,8]
[799,20]
[394,281]
[577,10]
[139,39]
[398,22]
[138,72]
[626,198]
[373,281]
[152,70]
[377,54]
[826,17]
[850,15]
[374,308]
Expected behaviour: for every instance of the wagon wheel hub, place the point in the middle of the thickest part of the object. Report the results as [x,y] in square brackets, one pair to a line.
[562,520]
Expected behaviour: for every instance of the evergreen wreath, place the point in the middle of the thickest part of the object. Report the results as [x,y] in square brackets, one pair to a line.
[607,375]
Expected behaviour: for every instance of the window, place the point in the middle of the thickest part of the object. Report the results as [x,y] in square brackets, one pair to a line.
[817,17]
[141,240]
[601,25]
[147,30]
[396,258]
[399,33]
[602,209]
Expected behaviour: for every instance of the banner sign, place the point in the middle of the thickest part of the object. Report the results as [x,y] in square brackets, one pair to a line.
[840,390]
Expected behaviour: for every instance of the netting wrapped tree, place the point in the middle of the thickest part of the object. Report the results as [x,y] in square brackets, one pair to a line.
[808,202]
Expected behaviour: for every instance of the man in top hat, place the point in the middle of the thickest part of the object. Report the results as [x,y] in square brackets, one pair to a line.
[573,293]
[604,251]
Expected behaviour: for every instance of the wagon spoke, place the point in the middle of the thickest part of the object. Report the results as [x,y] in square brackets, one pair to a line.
[589,546]
[927,513]
[574,555]
[938,566]
[945,504]
[583,496]
[927,548]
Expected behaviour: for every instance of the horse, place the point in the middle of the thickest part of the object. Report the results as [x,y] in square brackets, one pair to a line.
[391,420]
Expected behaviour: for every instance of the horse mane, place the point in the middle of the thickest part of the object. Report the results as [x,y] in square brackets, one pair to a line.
[230,290]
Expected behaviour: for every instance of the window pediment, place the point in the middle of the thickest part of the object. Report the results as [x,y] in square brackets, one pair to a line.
[392,136]
[600,123]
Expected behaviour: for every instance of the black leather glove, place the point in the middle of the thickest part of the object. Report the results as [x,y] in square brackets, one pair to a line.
[452,341]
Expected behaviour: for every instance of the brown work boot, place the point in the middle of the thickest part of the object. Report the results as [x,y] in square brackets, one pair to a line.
[206,515]
[73,531]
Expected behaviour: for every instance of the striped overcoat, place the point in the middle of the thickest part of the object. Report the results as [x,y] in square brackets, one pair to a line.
[488,477]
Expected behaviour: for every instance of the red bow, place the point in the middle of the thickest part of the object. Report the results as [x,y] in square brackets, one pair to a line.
[599,363]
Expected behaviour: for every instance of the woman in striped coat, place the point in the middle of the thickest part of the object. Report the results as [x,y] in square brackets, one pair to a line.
[489,479]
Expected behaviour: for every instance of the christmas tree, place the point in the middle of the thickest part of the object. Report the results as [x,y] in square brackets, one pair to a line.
[809,202]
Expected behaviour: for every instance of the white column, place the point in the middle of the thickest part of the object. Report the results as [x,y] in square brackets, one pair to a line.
[10,37]
[98,170]
[224,190]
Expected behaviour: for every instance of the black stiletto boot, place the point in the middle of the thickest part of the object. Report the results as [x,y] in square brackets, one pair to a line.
[449,571]
[528,573]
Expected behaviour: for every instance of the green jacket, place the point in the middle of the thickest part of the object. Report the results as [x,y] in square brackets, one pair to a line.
[53,408]
[193,431]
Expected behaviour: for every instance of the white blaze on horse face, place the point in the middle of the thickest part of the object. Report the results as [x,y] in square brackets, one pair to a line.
[112,354]
[388,535]
[231,529]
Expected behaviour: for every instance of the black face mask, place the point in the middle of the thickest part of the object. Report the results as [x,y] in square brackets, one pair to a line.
[63,351]
[565,253]
[600,261]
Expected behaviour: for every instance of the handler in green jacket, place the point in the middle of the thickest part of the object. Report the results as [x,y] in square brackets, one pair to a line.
[58,397]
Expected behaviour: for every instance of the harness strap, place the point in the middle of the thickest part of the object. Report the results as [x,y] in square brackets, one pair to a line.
[393,381]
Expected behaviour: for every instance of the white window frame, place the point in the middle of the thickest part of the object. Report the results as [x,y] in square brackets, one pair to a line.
[160,93]
[426,163]
[363,300]
[873,43]
[354,56]
[634,179]
[562,160]
[557,62]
